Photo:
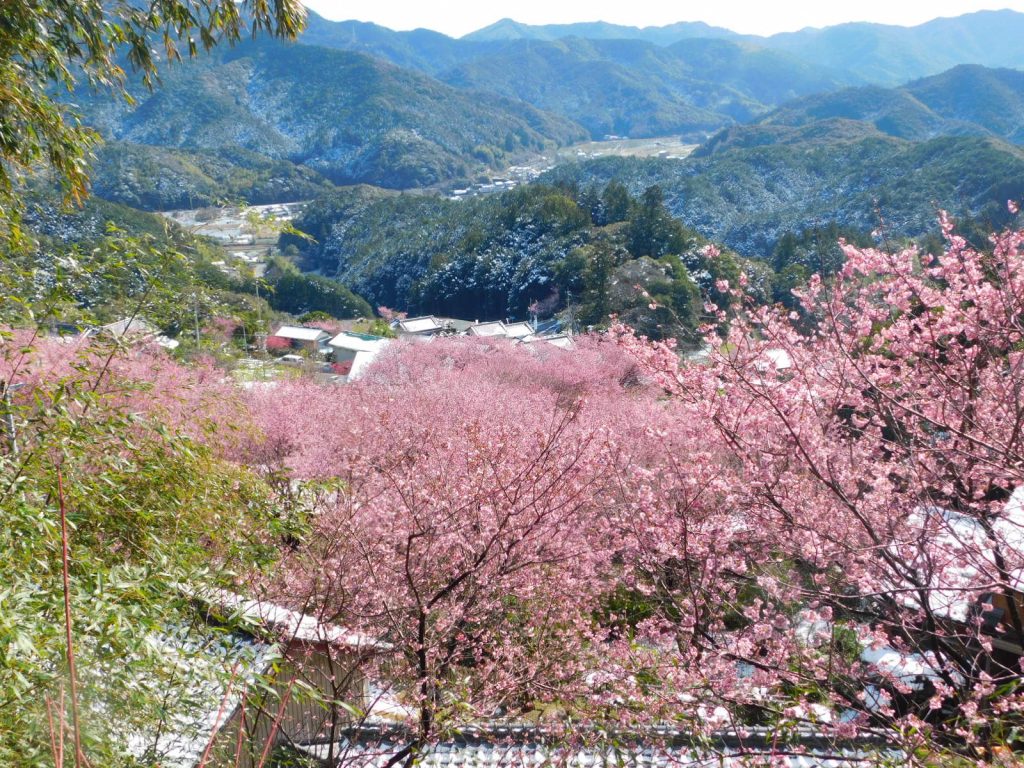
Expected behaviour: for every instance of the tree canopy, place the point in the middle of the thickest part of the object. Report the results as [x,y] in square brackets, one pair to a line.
[51,47]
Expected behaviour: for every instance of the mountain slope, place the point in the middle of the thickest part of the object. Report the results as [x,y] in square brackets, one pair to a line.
[966,100]
[749,197]
[992,99]
[889,55]
[609,85]
[630,87]
[163,178]
[870,53]
[421,49]
[347,116]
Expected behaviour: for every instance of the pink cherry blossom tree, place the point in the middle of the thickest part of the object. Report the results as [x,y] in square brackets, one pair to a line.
[470,518]
[819,526]
[861,565]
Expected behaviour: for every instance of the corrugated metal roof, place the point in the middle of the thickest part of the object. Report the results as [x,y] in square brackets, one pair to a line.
[288,624]
[300,333]
[423,324]
[358,342]
[493,328]
[562,341]
[518,330]
[213,665]
[213,670]
[131,326]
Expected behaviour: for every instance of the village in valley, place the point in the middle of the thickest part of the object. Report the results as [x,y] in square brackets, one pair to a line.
[346,355]
[305,689]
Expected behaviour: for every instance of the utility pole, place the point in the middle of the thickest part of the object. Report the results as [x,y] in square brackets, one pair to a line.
[12,429]
[195,315]
[259,315]
[260,330]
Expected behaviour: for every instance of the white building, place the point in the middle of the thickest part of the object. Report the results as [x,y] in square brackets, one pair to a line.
[311,340]
[355,351]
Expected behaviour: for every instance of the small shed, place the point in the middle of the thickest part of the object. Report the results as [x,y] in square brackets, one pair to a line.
[353,352]
[311,340]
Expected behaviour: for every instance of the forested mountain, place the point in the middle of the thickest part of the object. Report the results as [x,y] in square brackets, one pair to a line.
[592,253]
[609,85]
[683,78]
[165,178]
[890,55]
[347,116]
[833,171]
[634,88]
[268,121]
[100,262]
[422,49]
[508,29]
[966,100]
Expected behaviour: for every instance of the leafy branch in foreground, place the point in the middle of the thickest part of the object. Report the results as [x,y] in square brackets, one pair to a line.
[150,503]
[51,45]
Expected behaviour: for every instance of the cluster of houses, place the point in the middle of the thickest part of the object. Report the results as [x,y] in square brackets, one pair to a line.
[352,352]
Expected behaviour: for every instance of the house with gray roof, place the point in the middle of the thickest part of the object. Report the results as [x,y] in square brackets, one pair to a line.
[134,330]
[251,675]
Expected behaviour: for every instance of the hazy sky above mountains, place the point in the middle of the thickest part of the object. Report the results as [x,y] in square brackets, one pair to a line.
[459,17]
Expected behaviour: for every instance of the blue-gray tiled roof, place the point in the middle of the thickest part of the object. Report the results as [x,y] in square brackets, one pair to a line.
[525,747]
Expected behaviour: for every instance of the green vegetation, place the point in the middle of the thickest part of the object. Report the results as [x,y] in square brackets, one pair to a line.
[636,88]
[298,294]
[48,47]
[816,250]
[535,250]
[683,77]
[92,265]
[161,178]
[149,508]
[346,116]
[749,197]
[966,100]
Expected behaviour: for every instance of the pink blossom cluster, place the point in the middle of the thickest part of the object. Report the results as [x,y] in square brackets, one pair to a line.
[818,527]
[142,379]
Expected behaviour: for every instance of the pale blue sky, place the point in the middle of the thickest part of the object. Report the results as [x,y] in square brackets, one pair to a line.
[763,18]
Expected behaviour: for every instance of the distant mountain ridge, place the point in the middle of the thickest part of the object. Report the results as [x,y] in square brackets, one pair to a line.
[968,100]
[349,117]
[863,52]
[608,85]
[891,55]
[509,29]
[687,78]
[877,53]
[636,88]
